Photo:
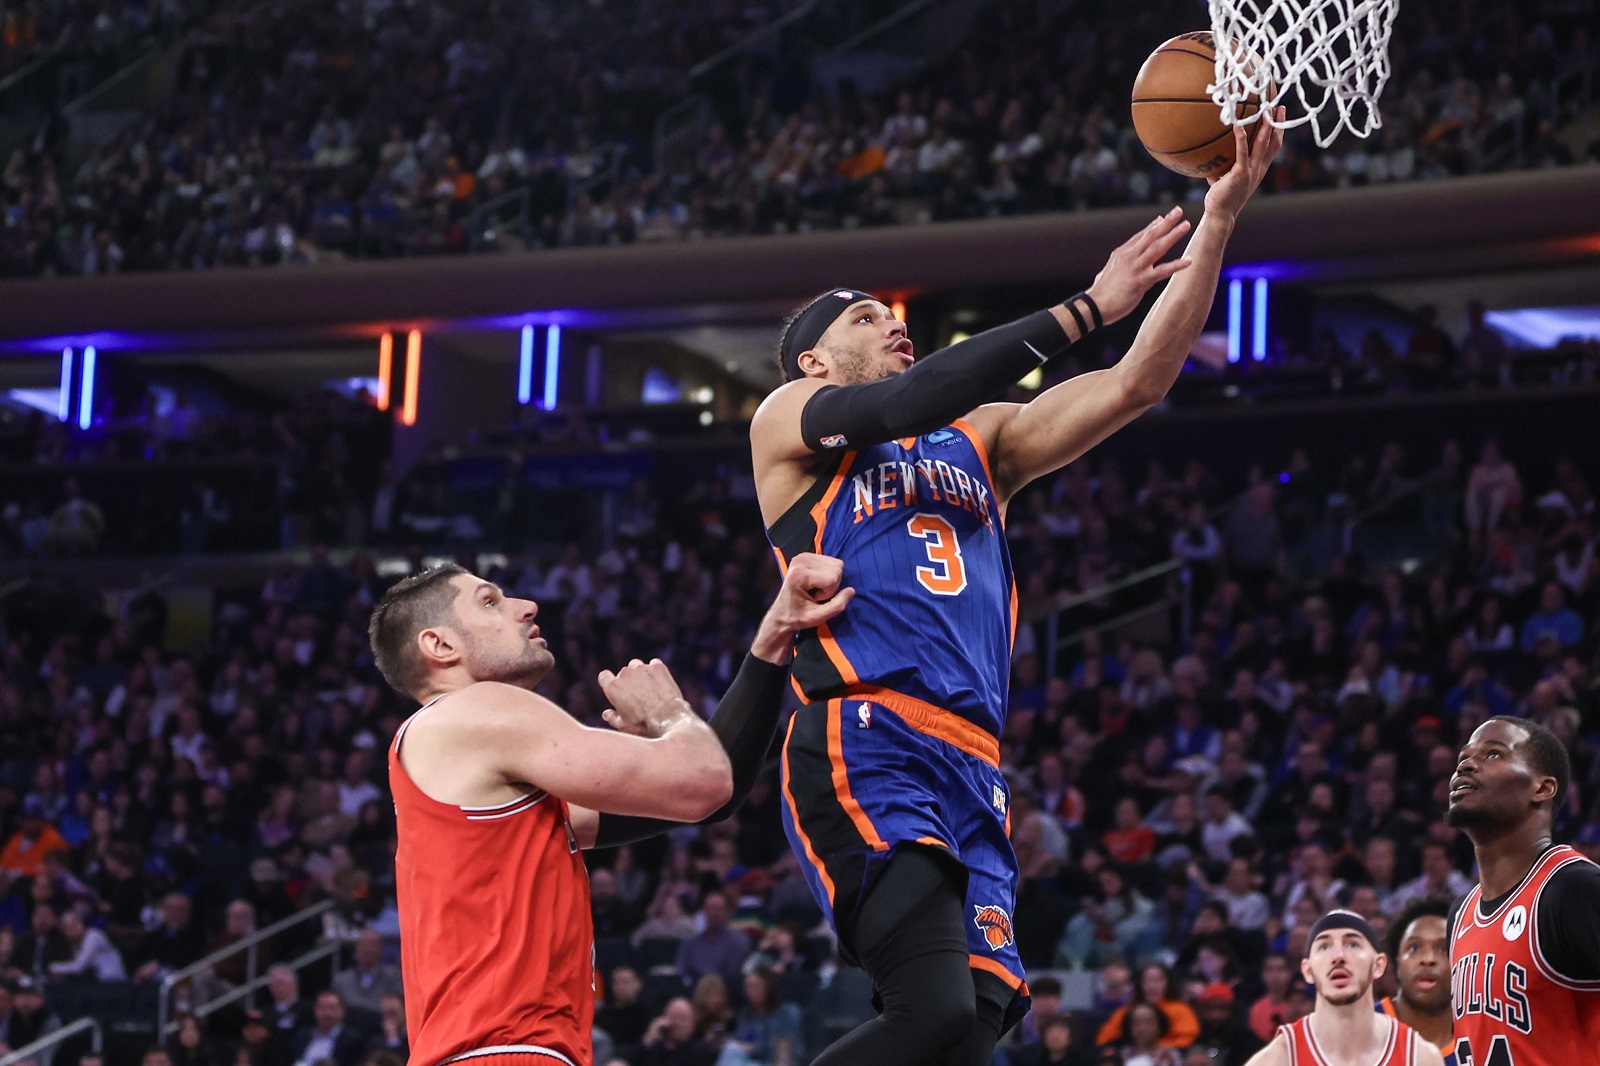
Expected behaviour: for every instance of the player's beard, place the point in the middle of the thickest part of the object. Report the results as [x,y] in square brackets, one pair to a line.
[852,367]
[1353,995]
[1461,816]
[524,670]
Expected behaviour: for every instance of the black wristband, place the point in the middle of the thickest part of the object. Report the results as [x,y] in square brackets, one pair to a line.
[1094,308]
[1072,309]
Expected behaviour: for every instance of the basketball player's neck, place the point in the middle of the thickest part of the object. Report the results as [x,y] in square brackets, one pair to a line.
[1506,856]
[1434,1026]
[1351,1033]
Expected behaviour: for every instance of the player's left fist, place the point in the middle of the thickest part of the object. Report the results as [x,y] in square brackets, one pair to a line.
[812,592]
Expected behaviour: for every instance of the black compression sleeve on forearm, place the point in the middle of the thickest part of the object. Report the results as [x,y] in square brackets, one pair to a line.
[745,721]
[933,391]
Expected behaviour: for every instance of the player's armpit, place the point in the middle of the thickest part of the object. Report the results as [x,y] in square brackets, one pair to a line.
[585,825]
[1028,441]
[1274,1054]
[683,775]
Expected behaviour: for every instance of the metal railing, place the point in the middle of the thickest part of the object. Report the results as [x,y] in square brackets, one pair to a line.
[248,945]
[485,222]
[1169,598]
[60,1036]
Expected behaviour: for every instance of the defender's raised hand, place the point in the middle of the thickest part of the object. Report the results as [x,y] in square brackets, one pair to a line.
[811,596]
[644,698]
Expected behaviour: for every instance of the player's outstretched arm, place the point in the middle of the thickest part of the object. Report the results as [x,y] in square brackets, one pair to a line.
[746,719]
[1030,440]
[665,763]
[1274,1054]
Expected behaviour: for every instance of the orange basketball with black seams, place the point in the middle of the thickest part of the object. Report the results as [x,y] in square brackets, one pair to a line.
[996,926]
[1176,119]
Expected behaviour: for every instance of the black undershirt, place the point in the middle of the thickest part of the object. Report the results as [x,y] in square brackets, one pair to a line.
[1568,917]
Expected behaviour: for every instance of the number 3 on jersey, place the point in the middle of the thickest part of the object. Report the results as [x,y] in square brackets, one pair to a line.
[948,574]
[1499,1053]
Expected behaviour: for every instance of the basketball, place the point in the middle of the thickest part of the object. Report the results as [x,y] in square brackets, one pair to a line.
[1175,118]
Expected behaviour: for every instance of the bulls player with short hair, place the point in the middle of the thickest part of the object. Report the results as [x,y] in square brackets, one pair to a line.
[1525,943]
[1418,946]
[497,789]
[1343,1029]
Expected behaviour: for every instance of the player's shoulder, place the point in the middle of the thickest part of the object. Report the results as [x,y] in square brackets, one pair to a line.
[1573,881]
[1423,1053]
[481,707]
[784,403]
[1276,1053]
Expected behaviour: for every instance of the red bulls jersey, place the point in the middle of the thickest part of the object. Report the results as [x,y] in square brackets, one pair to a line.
[1305,1051]
[1511,1007]
[496,937]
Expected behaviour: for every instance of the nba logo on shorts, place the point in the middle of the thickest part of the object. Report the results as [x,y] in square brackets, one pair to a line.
[864,716]
[996,926]
[1515,922]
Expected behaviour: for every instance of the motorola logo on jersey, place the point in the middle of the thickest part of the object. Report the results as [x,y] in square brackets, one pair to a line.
[1515,923]
[1494,988]
[996,926]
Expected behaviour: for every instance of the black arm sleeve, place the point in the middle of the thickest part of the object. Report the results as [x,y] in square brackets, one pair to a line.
[1569,921]
[745,721]
[933,391]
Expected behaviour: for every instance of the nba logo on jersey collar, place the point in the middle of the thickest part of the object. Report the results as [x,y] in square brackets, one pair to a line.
[864,716]
[996,926]
[1515,922]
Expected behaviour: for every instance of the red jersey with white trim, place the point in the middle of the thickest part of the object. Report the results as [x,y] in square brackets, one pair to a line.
[496,937]
[1304,1050]
[1511,1006]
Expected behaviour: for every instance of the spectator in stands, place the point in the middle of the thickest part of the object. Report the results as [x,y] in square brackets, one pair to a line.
[671,1041]
[624,1015]
[1274,1007]
[715,948]
[1554,619]
[1055,1046]
[330,1038]
[365,985]
[1145,1042]
[187,1047]
[41,945]
[1439,877]
[286,1015]
[1156,989]
[92,952]
[1254,540]
[390,1036]
[768,1030]
[24,853]
[76,525]
[258,1040]
[1492,487]
[1107,924]
[26,1018]
[1220,1028]
[173,944]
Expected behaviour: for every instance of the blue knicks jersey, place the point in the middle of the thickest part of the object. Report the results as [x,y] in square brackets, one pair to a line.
[917,523]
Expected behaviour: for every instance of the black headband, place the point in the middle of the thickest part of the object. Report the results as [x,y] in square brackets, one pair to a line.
[1343,920]
[812,322]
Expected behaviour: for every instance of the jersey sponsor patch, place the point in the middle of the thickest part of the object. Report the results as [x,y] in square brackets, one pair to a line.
[835,441]
[941,436]
[1515,923]
[996,926]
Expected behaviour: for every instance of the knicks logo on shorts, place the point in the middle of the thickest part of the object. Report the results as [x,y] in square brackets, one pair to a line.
[996,926]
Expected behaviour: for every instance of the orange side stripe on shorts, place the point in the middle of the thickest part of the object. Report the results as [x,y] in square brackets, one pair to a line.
[979,962]
[924,717]
[935,841]
[841,780]
[794,812]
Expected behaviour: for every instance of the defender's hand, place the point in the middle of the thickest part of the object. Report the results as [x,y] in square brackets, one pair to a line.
[644,698]
[1136,266]
[811,594]
[1254,156]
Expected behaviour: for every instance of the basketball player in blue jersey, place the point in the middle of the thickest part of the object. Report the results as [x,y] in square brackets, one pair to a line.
[1418,946]
[893,797]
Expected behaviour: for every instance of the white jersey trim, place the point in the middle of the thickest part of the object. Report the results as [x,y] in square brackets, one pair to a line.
[1487,921]
[508,1049]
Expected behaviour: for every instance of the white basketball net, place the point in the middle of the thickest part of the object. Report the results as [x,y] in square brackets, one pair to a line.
[1332,54]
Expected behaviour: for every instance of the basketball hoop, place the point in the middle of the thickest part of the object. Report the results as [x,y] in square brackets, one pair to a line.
[1332,54]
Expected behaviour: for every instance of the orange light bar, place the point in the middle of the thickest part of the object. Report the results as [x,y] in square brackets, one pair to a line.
[385,369]
[408,410]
